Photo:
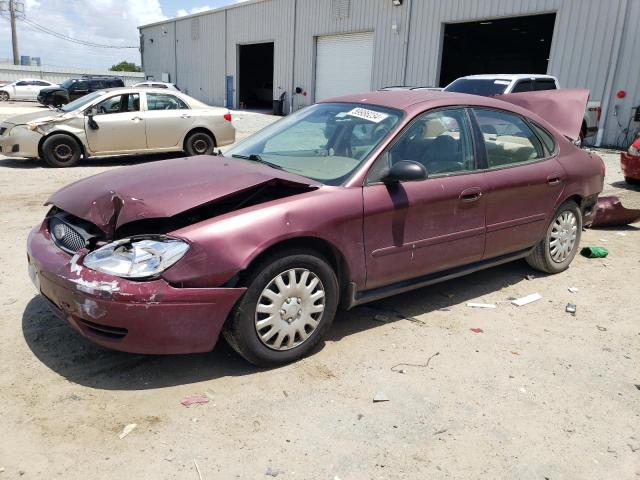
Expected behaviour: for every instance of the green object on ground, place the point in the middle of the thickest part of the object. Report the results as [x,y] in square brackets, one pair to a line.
[594,252]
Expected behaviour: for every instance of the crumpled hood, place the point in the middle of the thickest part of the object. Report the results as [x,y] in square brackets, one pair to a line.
[563,108]
[43,116]
[162,189]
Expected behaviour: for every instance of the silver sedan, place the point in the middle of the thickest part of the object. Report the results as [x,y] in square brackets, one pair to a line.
[118,121]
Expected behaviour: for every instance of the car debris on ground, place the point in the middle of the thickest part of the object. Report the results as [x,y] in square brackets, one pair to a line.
[571,308]
[481,305]
[594,252]
[127,430]
[476,330]
[519,302]
[196,399]
[611,213]
[380,397]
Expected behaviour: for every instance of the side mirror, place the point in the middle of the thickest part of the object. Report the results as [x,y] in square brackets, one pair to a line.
[93,125]
[404,171]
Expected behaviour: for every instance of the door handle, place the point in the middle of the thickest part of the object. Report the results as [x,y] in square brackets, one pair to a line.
[554,179]
[472,194]
[136,119]
[185,116]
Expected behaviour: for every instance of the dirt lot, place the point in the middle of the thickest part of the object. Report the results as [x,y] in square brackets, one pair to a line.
[538,394]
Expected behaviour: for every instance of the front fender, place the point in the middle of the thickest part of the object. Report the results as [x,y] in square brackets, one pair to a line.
[221,247]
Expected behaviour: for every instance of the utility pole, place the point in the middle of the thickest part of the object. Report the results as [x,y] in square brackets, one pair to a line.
[14,33]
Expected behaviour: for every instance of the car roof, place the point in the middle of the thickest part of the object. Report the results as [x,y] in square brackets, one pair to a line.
[415,101]
[507,76]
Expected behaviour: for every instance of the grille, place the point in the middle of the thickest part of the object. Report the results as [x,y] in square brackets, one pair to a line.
[67,238]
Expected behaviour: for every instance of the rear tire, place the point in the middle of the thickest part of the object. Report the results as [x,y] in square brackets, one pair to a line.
[283,315]
[199,143]
[561,241]
[61,151]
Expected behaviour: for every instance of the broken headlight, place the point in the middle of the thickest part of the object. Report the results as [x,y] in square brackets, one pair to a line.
[137,257]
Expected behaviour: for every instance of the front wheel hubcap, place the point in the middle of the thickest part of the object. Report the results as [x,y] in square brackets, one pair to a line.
[289,309]
[63,152]
[563,236]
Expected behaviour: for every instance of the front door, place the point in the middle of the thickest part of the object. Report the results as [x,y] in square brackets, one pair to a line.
[121,127]
[167,119]
[524,182]
[415,228]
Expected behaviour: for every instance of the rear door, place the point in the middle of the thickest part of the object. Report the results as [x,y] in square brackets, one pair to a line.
[168,118]
[22,90]
[416,228]
[121,126]
[524,181]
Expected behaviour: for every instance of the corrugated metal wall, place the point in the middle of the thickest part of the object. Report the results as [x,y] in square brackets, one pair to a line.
[627,78]
[407,43]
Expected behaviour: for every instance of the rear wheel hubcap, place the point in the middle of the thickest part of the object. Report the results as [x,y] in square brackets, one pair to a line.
[289,309]
[200,145]
[563,236]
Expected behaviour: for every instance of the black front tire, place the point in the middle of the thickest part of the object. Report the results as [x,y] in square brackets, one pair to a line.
[4,96]
[541,257]
[240,331]
[199,143]
[60,151]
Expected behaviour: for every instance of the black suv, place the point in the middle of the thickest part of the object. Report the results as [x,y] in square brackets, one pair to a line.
[74,88]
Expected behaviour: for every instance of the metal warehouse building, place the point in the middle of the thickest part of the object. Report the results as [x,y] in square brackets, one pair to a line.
[250,53]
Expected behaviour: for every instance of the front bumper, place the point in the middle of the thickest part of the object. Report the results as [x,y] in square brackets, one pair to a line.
[150,317]
[19,141]
[630,165]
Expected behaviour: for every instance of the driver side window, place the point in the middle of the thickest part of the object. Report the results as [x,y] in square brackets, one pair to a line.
[119,103]
[441,141]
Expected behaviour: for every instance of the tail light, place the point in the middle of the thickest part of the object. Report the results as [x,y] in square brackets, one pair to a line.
[227,117]
[634,149]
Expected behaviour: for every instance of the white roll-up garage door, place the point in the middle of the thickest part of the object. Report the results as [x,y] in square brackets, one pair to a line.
[343,64]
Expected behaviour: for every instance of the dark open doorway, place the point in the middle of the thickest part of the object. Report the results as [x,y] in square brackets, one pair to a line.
[509,45]
[256,76]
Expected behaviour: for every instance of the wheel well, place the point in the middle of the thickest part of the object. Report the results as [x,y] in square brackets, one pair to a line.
[199,129]
[321,247]
[41,142]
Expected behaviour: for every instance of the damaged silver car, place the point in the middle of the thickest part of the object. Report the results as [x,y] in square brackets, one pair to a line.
[118,121]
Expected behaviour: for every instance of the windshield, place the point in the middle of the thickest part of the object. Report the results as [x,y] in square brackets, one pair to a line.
[81,102]
[325,142]
[476,86]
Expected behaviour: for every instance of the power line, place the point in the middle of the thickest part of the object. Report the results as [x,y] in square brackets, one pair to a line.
[61,36]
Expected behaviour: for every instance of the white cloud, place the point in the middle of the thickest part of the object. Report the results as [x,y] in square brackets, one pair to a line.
[183,12]
[110,22]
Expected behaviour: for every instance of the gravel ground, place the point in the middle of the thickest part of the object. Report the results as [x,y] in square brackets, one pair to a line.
[537,394]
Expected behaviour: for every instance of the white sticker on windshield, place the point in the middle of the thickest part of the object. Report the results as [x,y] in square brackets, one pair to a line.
[365,114]
[502,82]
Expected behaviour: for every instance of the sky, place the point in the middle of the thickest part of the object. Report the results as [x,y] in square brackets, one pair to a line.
[107,22]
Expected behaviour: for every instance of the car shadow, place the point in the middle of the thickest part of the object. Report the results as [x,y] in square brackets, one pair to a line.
[440,296]
[114,161]
[625,186]
[66,352]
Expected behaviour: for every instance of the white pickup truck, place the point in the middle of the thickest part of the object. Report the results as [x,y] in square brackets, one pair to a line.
[495,84]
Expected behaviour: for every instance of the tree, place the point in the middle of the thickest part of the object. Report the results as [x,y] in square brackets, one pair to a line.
[125,66]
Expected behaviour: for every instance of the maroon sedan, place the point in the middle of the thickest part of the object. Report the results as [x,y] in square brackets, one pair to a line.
[347,201]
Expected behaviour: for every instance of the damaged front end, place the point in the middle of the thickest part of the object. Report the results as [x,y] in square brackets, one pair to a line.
[100,256]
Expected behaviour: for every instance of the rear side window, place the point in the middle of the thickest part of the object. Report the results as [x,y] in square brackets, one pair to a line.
[546,137]
[164,101]
[523,86]
[507,138]
[96,84]
[23,84]
[546,84]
